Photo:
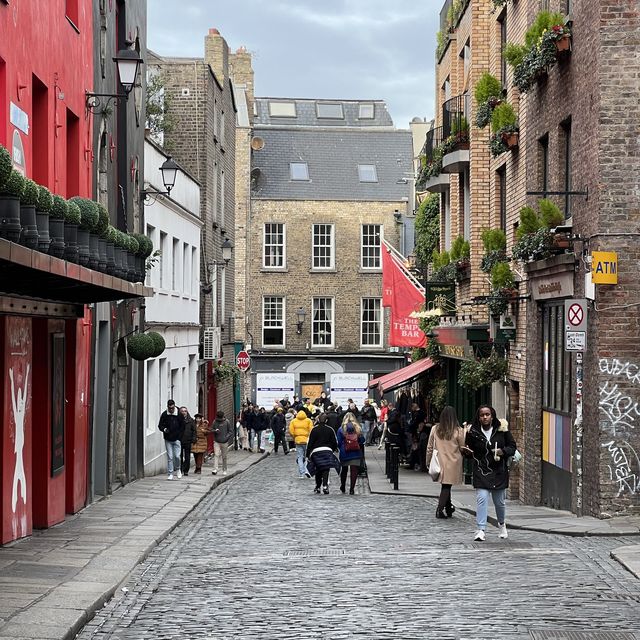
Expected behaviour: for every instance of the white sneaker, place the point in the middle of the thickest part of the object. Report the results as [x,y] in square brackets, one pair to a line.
[170,476]
[224,473]
[479,536]
[179,474]
[215,472]
[502,531]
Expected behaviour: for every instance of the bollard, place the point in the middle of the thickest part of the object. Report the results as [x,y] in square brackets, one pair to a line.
[387,459]
[395,456]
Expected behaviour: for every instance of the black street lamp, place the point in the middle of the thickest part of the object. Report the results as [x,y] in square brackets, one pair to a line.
[169,171]
[128,62]
[301,315]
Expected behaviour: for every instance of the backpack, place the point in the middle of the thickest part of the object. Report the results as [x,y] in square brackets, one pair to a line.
[351,441]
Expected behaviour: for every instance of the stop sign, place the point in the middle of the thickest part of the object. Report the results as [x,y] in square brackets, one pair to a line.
[243,360]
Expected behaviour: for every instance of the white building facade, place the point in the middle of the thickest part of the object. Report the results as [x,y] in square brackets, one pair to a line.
[174,225]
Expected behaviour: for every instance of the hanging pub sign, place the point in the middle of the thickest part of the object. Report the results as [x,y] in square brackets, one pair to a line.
[441,295]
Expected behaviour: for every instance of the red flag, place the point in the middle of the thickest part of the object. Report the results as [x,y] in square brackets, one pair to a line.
[387,276]
[405,297]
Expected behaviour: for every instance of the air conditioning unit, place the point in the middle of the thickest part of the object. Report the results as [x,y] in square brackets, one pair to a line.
[211,346]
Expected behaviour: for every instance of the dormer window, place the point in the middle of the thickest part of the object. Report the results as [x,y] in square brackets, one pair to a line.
[367,173]
[329,110]
[282,109]
[366,111]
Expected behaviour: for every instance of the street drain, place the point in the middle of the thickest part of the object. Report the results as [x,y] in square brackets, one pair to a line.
[566,634]
[313,553]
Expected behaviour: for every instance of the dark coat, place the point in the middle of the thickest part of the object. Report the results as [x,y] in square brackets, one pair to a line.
[189,435]
[393,422]
[368,413]
[248,418]
[322,435]
[333,420]
[222,431]
[171,426]
[261,421]
[487,472]
[278,422]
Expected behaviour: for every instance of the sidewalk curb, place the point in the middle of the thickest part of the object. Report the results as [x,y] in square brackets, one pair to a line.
[91,610]
[632,566]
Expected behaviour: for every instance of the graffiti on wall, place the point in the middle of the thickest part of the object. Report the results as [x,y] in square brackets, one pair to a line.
[622,413]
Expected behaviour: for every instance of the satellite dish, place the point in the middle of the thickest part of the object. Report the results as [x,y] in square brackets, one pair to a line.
[258,179]
[257,143]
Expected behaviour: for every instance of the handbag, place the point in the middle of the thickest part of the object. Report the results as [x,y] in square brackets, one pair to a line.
[434,466]
[514,459]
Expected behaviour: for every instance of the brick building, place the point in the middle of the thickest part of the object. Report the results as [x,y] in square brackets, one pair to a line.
[200,103]
[327,184]
[577,124]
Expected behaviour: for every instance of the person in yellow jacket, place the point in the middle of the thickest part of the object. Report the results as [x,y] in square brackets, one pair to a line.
[300,428]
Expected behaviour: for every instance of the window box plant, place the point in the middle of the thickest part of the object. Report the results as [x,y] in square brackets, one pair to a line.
[487,94]
[505,129]
[28,201]
[494,242]
[57,216]
[43,213]
[71,222]
[88,222]
[534,238]
[10,193]
[481,372]
[110,237]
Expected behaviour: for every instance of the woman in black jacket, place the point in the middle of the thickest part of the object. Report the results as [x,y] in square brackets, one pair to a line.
[187,439]
[491,444]
[320,447]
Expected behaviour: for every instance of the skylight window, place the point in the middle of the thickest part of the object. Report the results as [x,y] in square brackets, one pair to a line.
[282,109]
[366,111]
[367,173]
[329,110]
[299,171]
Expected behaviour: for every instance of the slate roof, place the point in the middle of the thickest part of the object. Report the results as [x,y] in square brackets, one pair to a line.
[306,115]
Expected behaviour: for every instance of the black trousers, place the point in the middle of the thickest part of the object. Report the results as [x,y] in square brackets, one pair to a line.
[445,497]
[322,478]
[185,458]
[353,478]
[280,438]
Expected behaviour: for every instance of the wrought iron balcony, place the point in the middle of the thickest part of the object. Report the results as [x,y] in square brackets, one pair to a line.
[455,117]
[432,142]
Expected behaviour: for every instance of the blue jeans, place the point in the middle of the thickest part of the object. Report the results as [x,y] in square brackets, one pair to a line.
[366,427]
[173,455]
[301,452]
[482,502]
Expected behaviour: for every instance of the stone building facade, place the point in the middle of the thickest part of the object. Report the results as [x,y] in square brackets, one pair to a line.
[200,105]
[326,187]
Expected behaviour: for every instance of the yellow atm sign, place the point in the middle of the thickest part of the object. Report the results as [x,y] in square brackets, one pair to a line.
[604,267]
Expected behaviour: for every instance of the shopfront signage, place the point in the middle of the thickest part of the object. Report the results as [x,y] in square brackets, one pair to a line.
[558,285]
[604,267]
[457,351]
[441,295]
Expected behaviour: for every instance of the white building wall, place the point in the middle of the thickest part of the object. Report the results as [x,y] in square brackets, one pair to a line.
[174,226]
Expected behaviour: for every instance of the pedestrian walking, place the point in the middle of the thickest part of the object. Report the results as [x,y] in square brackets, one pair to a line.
[491,444]
[300,428]
[200,447]
[447,438]
[171,427]
[260,425]
[333,419]
[187,440]
[350,445]
[222,438]
[368,417]
[384,410]
[243,434]
[320,451]
[394,425]
[249,420]
[279,430]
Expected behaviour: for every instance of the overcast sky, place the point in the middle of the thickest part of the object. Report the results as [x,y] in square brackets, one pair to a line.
[358,49]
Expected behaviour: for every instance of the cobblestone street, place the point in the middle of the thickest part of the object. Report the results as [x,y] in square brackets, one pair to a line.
[264,557]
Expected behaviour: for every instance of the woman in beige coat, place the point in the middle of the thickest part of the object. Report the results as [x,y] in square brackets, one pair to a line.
[447,438]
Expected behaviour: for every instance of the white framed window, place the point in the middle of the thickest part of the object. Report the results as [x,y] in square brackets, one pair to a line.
[371,322]
[186,271]
[195,272]
[273,321]
[366,111]
[367,173]
[299,171]
[175,264]
[323,253]
[274,246]
[282,109]
[163,263]
[322,322]
[370,246]
[222,198]
[329,110]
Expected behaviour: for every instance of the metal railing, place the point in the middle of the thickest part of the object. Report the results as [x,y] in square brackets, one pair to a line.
[392,464]
[431,143]
[455,115]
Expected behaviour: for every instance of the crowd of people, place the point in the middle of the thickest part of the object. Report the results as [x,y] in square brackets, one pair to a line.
[327,437]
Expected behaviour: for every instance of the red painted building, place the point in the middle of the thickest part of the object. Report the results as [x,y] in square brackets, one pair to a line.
[46,68]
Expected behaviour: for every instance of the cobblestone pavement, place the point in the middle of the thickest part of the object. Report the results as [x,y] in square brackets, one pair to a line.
[264,557]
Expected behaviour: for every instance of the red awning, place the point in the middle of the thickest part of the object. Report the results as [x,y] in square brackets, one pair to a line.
[402,377]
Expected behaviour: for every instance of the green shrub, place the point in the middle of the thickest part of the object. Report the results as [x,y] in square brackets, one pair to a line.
[514,53]
[458,249]
[45,199]
[110,234]
[488,86]
[59,208]
[30,194]
[5,165]
[132,244]
[141,346]
[459,126]
[501,276]
[483,115]
[503,117]
[73,213]
[14,185]
[145,246]
[158,343]
[529,222]
[494,240]
[533,246]
[442,40]
[103,220]
[89,213]
[550,214]
[543,22]
[440,259]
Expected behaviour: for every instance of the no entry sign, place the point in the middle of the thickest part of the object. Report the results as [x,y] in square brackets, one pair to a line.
[575,315]
[243,360]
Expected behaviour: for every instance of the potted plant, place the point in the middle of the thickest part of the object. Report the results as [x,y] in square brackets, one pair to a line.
[110,249]
[488,94]
[88,222]
[101,233]
[502,288]
[132,250]
[120,244]
[504,125]
[534,238]
[10,194]
[71,222]
[43,211]
[145,249]
[460,255]
[494,242]
[28,201]
[57,217]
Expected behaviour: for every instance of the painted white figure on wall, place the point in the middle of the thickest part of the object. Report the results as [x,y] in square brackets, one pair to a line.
[19,404]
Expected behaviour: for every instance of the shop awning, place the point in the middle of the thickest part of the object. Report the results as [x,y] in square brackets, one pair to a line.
[25,273]
[402,377]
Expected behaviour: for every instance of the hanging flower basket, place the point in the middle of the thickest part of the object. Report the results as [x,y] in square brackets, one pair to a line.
[511,139]
[564,43]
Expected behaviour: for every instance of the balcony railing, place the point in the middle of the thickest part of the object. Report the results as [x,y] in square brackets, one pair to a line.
[432,142]
[455,116]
